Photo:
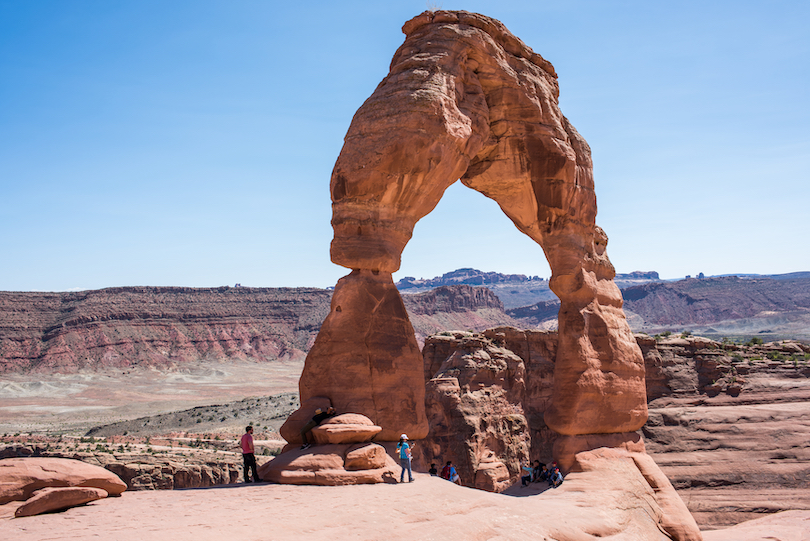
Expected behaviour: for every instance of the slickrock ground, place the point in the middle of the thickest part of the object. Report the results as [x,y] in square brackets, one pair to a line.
[428,509]
[730,426]
[785,526]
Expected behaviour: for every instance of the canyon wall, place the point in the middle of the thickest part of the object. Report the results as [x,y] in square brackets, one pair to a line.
[155,326]
[165,327]
[728,423]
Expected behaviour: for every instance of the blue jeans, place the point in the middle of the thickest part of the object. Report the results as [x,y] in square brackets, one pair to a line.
[406,464]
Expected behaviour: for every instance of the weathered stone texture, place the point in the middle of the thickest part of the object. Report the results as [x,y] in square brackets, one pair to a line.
[366,359]
[466,99]
[56,498]
[21,477]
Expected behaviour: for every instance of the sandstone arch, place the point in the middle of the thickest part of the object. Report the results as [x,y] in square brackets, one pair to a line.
[465,99]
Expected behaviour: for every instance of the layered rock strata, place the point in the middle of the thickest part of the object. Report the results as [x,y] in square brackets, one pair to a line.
[728,423]
[167,327]
[160,327]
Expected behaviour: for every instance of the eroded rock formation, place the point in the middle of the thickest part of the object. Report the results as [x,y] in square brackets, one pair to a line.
[343,453]
[474,403]
[55,498]
[366,359]
[467,99]
[48,484]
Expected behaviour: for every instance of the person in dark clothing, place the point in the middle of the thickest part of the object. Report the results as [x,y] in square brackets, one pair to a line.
[319,417]
[449,473]
[248,454]
[556,478]
[527,478]
[536,471]
[433,470]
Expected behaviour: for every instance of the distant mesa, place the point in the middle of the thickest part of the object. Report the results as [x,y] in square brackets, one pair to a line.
[638,275]
[467,276]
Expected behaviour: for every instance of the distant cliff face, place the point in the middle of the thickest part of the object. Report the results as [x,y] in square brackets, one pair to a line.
[159,326]
[715,299]
[773,307]
[167,326]
[468,277]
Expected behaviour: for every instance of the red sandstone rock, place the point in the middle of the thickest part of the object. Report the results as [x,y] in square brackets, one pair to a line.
[343,464]
[21,477]
[367,456]
[291,429]
[56,498]
[466,99]
[492,475]
[669,513]
[676,519]
[475,407]
[566,448]
[610,501]
[733,453]
[366,359]
[346,428]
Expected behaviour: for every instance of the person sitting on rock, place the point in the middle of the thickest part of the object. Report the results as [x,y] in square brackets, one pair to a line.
[449,473]
[404,450]
[543,474]
[536,471]
[556,478]
[433,471]
[526,479]
[319,417]
[248,455]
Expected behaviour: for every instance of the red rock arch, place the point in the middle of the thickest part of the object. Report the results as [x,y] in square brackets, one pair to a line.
[465,99]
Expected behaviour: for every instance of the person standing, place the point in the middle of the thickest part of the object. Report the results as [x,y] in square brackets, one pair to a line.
[404,458]
[249,455]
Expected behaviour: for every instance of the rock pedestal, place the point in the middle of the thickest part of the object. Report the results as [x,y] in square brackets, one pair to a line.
[366,359]
[343,455]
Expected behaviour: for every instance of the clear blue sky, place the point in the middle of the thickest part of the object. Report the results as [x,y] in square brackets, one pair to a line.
[191,142]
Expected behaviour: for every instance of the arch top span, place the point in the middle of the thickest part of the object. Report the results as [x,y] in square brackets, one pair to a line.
[465,99]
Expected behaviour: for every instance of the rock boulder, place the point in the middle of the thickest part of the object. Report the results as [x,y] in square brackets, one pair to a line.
[56,498]
[346,428]
[335,464]
[21,477]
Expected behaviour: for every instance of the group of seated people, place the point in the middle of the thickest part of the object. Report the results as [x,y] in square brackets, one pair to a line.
[540,472]
[448,472]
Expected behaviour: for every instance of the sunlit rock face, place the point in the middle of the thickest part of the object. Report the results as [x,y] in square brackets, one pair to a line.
[465,99]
